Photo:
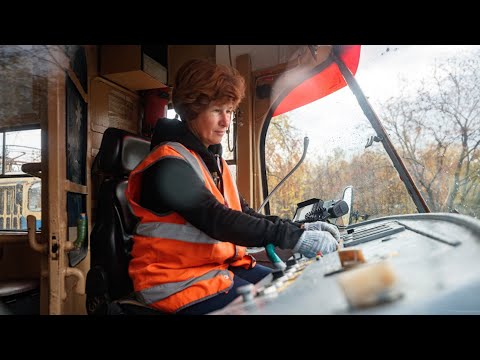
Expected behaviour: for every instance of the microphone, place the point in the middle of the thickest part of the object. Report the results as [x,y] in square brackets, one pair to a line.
[305,144]
[338,209]
[323,210]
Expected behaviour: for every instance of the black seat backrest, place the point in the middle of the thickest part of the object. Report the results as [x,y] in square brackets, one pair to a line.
[110,240]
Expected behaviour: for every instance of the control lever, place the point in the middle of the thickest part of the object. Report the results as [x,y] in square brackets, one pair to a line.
[274,258]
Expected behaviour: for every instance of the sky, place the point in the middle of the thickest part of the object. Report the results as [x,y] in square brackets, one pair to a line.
[379,73]
[30,138]
[23,143]
[379,69]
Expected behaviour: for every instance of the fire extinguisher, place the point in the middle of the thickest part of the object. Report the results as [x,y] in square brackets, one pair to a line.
[156,106]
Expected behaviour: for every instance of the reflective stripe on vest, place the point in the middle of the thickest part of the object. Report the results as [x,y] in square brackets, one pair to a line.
[160,292]
[181,232]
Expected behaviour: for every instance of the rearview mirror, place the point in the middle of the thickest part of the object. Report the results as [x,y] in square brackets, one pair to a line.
[348,198]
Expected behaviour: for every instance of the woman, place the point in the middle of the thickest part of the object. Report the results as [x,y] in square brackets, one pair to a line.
[189,249]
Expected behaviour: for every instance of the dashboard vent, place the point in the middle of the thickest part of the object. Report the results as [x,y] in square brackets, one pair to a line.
[361,235]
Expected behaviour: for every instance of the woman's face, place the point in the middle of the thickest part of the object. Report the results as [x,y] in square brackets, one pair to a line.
[211,124]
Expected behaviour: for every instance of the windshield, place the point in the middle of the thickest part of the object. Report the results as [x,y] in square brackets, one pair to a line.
[426,98]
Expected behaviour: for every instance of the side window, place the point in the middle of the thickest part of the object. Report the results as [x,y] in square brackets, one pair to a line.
[20,193]
[23,103]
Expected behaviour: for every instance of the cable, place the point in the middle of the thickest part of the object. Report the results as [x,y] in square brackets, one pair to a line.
[305,147]
[230,55]
[232,149]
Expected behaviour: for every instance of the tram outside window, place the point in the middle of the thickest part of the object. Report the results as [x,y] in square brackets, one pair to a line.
[20,193]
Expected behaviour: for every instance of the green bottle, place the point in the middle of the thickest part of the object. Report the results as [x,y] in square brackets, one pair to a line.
[81,231]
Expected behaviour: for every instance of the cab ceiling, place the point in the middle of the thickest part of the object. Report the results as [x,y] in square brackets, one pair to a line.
[262,56]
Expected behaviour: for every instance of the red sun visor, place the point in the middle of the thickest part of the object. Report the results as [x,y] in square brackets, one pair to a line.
[322,84]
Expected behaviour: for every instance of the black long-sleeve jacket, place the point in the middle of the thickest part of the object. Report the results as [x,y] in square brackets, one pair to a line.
[172,185]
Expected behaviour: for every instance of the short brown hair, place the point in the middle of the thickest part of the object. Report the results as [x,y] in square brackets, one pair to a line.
[199,82]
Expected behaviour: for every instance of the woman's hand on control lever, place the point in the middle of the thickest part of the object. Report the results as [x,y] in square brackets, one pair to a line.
[314,241]
[324,226]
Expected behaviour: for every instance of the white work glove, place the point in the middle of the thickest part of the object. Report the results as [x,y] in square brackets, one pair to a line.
[322,225]
[313,241]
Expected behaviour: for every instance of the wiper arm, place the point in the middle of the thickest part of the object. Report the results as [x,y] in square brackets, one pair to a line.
[381,133]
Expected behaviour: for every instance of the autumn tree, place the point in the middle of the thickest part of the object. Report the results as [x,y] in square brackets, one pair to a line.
[378,190]
[283,150]
[437,126]
[377,186]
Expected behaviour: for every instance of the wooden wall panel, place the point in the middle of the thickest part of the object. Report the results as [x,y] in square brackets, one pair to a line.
[110,106]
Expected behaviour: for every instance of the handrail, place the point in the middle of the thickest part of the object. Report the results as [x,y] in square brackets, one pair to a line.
[32,239]
[79,286]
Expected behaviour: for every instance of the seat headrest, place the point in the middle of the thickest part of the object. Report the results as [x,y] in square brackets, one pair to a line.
[120,152]
[167,130]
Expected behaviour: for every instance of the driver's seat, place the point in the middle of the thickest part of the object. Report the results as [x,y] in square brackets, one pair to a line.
[109,288]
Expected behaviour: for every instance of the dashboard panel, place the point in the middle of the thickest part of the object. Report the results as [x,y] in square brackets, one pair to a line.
[431,262]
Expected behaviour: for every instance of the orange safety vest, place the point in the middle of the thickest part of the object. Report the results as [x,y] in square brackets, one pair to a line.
[174,264]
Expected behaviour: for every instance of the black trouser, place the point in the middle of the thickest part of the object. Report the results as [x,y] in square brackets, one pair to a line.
[241,277]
